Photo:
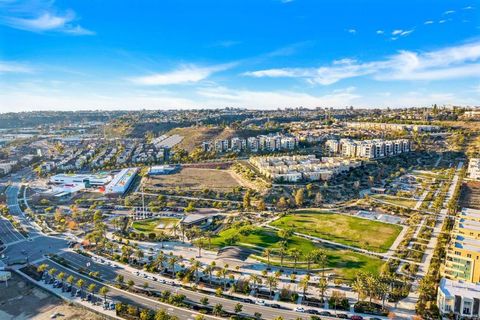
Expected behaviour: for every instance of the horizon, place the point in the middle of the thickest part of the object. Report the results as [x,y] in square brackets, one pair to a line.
[268,55]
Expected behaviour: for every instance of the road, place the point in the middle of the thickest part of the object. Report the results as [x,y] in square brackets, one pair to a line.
[34,248]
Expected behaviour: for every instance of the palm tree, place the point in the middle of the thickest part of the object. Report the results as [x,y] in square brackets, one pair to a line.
[322,286]
[282,251]
[91,287]
[255,279]
[238,308]
[172,260]
[195,266]
[272,283]
[200,244]
[222,273]
[60,277]
[304,283]
[358,286]
[295,253]
[209,235]
[103,291]
[130,284]
[119,279]
[160,259]
[310,257]
[321,258]
[204,301]
[267,253]
[208,269]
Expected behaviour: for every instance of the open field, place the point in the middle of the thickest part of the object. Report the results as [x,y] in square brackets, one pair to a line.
[345,263]
[154,225]
[403,202]
[24,300]
[470,196]
[362,233]
[195,179]
[194,136]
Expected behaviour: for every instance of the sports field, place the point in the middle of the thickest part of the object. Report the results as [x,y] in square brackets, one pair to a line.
[348,230]
[345,263]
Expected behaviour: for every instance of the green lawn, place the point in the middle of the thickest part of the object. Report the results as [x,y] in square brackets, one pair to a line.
[362,233]
[345,263]
[154,225]
[410,203]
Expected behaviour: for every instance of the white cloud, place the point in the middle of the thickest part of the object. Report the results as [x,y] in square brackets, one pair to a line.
[442,21]
[13,67]
[453,62]
[380,32]
[184,75]
[428,22]
[40,17]
[468,8]
[396,32]
[401,32]
[352,31]
[449,12]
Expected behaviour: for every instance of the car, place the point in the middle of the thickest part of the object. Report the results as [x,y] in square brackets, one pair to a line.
[78,293]
[375,318]
[356,317]
[299,309]
[312,311]
[325,313]
[68,288]
[342,316]
[276,306]
[112,305]
[89,297]
[248,300]
[154,279]
[260,302]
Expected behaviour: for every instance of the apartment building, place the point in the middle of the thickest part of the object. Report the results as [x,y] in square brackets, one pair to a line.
[369,149]
[270,142]
[458,298]
[463,253]
[392,126]
[301,167]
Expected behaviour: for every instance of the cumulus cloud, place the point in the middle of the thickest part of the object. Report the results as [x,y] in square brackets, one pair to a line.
[428,22]
[184,75]
[452,62]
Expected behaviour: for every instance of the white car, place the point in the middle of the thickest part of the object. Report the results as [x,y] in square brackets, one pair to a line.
[260,302]
[299,309]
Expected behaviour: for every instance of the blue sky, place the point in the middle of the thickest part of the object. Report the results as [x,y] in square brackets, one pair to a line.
[78,54]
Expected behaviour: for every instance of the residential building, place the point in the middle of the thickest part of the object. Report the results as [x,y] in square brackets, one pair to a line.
[458,298]
[473,170]
[369,149]
[463,253]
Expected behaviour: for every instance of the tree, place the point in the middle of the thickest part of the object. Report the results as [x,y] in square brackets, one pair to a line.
[190,207]
[130,284]
[255,279]
[261,205]
[321,258]
[299,197]
[304,283]
[70,280]
[103,292]
[282,203]
[80,284]
[146,314]
[322,287]
[204,301]
[318,198]
[218,309]
[195,266]
[200,244]
[42,268]
[51,272]
[272,283]
[247,200]
[267,253]
[295,254]
[238,308]
[172,261]
[61,276]
[119,279]
[91,287]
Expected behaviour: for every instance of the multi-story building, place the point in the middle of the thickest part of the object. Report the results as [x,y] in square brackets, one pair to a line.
[463,253]
[369,149]
[459,298]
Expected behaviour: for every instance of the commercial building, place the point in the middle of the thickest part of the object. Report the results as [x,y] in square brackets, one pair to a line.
[86,179]
[122,181]
[463,253]
[458,298]
[160,170]
[473,170]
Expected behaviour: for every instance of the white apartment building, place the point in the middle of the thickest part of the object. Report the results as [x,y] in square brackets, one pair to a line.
[369,149]
[458,298]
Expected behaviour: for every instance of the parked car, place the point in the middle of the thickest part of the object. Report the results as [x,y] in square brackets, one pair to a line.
[356,317]
[299,309]
[325,313]
[312,311]
[342,316]
[260,302]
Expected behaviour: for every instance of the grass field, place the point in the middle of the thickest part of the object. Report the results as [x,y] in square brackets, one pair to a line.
[396,201]
[362,233]
[195,179]
[154,225]
[345,263]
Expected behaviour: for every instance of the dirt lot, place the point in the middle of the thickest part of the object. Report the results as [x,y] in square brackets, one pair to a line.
[194,136]
[470,197]
[23,300]
[196,179]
